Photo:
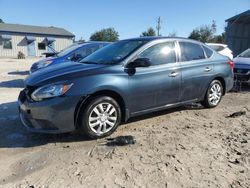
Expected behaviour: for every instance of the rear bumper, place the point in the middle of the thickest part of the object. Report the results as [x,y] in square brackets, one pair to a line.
[229,81]
[54,115]
[229,84]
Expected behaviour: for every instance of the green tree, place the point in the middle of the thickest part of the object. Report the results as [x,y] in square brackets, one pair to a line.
[203,34]
[149,32]
[206,33]
[108,34]
[1,21]
[219,38]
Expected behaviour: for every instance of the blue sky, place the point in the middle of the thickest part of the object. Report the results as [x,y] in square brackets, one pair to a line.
[128,17]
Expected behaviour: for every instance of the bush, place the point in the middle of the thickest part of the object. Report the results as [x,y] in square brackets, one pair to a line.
[20,55]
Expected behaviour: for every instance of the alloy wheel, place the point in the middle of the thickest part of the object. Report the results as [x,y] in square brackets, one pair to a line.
[215,94]
[102,118]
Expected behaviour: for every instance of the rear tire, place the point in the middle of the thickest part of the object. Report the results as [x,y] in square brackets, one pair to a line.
[213,95]
[100,117]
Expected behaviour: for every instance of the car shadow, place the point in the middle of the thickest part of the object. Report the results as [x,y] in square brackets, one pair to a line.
[17,83]
[22,73]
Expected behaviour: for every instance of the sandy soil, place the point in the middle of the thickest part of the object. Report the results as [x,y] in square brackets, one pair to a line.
[183,147]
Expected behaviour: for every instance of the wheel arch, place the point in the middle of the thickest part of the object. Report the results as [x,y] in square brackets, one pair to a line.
[110,93]
[223,82]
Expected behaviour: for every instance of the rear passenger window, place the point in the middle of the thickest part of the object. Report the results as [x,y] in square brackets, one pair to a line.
[208,52]
[191,51]
[159,54]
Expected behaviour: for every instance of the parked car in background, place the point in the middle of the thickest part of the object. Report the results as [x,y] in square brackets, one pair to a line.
[222,49]
[125,79]
[74,52]
[242,67]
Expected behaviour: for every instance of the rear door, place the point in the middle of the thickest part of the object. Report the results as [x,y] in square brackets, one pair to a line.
[158,84]
[196,70]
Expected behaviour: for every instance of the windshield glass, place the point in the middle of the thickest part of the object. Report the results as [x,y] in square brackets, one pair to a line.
[114,53]
[68,49]
[245,53]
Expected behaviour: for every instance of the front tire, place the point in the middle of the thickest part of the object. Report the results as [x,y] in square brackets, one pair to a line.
[213,95]
[100,117]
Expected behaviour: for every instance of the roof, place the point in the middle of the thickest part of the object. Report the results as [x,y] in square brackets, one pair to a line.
[29,29]
[242,17]
[152,38]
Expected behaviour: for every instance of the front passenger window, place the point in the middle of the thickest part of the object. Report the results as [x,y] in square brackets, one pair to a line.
[160,53]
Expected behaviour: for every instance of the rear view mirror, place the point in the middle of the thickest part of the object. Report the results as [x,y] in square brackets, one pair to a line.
[140,62]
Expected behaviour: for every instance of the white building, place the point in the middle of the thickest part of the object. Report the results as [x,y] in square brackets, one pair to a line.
[32,40]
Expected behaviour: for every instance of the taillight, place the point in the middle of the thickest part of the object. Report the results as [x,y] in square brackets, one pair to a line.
[231,63]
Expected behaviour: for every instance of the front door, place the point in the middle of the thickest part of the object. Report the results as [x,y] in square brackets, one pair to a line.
[31,49]
[159,84]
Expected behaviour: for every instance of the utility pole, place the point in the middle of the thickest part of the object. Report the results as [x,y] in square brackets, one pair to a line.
[158,27]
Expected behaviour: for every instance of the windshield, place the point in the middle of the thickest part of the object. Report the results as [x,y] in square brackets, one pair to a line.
[245,53]
[114,53]
[67,50]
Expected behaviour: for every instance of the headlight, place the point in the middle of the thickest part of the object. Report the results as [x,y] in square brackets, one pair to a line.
[43,64]
[49,91]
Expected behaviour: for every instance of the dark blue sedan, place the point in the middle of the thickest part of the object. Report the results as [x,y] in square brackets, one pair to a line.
[122,80]
[74,52]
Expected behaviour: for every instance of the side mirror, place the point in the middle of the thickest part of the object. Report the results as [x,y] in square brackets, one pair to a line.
[140,62]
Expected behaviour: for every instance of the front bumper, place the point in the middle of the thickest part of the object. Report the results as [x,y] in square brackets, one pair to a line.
[54,115]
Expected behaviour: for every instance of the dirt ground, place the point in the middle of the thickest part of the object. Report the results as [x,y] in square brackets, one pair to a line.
[182,147]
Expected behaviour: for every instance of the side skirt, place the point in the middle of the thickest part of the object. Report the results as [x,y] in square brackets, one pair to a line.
[133,114]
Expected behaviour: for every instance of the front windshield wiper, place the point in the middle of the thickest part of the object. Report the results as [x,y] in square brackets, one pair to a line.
[89,62]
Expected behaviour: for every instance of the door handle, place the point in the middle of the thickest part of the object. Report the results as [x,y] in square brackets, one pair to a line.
[173,74]
[207,69]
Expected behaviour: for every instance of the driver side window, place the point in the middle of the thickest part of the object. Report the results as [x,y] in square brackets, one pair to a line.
[159,54]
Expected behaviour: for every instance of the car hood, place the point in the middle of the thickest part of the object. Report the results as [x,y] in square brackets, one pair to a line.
[62,72]
[241,62]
